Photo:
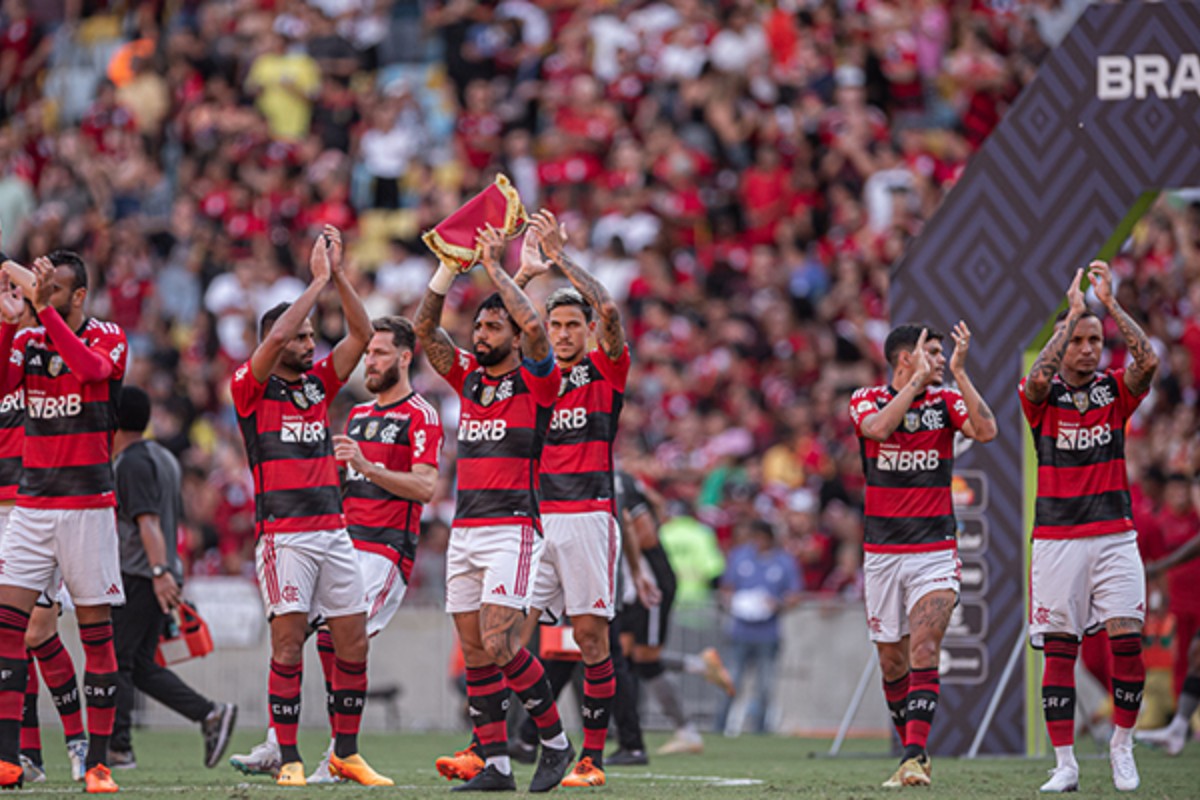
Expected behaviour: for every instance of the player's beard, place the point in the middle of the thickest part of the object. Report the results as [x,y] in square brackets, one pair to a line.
[300,363]
[494,355]
[378,384]
[568,353]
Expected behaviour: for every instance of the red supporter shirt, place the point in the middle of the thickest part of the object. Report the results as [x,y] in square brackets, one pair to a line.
[1079,437]
[286,430]
[502,429]
[908,503]
[12,441]
[577,464]
[397,437]
[71,382]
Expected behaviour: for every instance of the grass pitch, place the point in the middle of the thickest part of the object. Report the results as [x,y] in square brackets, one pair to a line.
[169,766]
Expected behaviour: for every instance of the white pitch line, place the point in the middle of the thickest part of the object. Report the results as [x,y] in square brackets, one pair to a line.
[714,780]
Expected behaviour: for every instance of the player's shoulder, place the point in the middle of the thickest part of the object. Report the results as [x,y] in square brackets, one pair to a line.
[947,393]
[869,393]
[362,409]
[33,333]
[422,409]
[103,328]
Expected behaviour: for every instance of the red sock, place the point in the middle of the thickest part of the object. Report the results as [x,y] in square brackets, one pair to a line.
[31,732]
[58,671]
[325,653]
[599,688]
[350,696]
[99,687]
[528,680]
[1094,652]
[1128,678]
[13,623]
[923,688]
[1058,689]
[486,696]
[283,698]
[896,694]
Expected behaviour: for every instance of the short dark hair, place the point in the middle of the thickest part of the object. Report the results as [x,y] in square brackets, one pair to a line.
[270,318]
[569,296]
[400,328]
[133,410]
[69,258]
[905,337]
[494,302]
[1062,315]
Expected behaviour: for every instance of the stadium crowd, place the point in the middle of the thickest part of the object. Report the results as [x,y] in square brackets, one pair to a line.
[740,175]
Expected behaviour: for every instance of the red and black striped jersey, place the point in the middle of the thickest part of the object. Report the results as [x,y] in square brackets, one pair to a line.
[12,440]
[577,463]
[286,430]
[1079,436]
[501,431]
[71,382]
[908,503]
[396,437]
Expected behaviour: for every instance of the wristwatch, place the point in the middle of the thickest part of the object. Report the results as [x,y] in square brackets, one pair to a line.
[158,570]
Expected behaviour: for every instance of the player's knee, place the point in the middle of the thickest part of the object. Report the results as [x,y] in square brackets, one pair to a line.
[892,663]
[925,654]
[593,648]
[500,649]
[287,649]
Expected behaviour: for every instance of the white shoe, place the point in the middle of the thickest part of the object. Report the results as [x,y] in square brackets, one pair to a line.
[264,759]
[1171,739]
[324,773]
[31,772]
[1125,774]
[77,750]
[1062,779]
[685,740]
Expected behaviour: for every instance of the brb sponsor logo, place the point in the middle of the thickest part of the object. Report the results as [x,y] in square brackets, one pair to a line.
[13,401]
[1120,77]
[69,405]
[301,432]
[568,419]
[482,430]
[1080,437]
[893,459]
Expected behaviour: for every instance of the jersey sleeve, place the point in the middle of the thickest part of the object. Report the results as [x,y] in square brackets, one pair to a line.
[1127,401]
[426,436]
[14,369]
[862,405]
[958,409]
[1034,412]
[246,390]
[615,372]
[327,374]
[464,364]
[137,487]
[543,384]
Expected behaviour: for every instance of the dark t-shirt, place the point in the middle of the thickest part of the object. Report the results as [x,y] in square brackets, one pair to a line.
[148,482]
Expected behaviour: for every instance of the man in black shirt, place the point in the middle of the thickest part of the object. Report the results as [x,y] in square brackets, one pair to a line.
[149,507]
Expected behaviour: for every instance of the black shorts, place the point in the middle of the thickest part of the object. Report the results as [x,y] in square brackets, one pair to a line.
[648,626]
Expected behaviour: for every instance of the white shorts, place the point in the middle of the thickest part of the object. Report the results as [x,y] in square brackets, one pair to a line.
[894,582]
[1076,585]
[578,569]
[491,564]
[311,572]
[78,544]
[385,588]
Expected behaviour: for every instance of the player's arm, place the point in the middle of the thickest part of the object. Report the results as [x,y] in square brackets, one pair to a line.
[37,284]
[417,485]
[150,532]
[12,304]
[981,422]
[1140,373]
[535,345]
[349,350]
[552,236]
[289,322]
[883,423]
[1186,552]
[1045,366]
[647,591]
[533,261]
[438,346]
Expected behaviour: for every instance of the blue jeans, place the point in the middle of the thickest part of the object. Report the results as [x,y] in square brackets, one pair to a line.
[762,656]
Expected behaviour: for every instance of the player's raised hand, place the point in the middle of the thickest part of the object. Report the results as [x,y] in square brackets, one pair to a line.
[533,262]
[491,244]
[922,366]
[333,243]
[961,335]
[1100,275]
[318,260]
[550,233]
[43,287]
[12,303]
[1075,300]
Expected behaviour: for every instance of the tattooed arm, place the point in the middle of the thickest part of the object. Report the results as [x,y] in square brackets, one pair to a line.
[439,347]
[535,344]
[1140,373]
[551,237]
[1045,366]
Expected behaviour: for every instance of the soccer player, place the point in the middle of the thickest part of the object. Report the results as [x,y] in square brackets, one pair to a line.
[70,368]
[508,388]
[41,638]
[1086,572]
[304,558]
[910,562]
[1174,736]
